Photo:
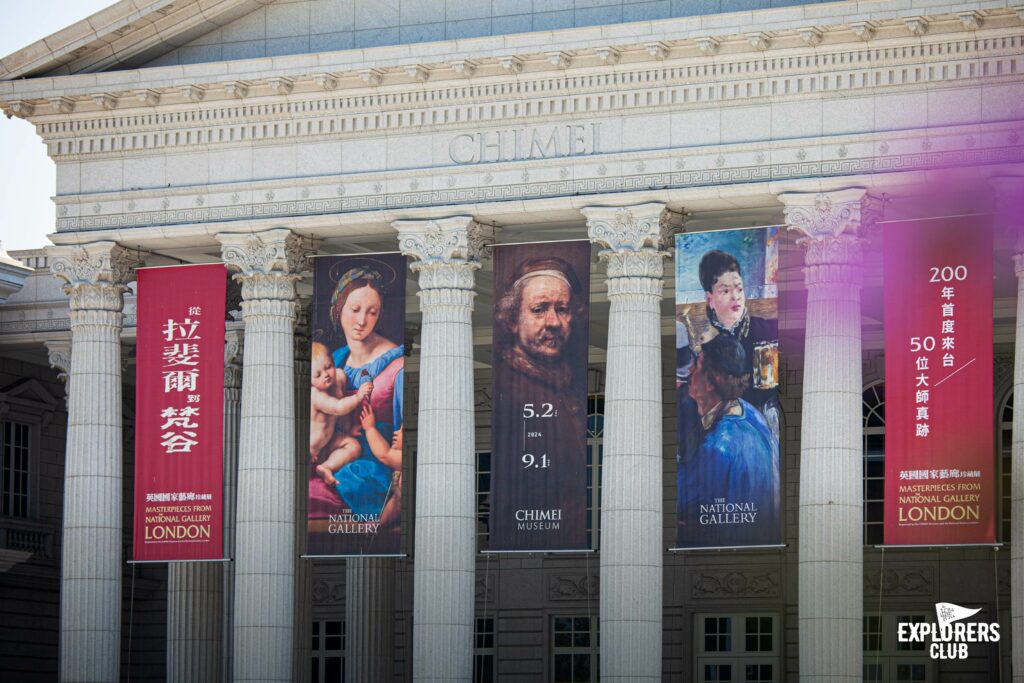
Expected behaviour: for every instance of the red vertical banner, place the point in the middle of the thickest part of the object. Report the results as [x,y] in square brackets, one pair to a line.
[940,483]
[179,406]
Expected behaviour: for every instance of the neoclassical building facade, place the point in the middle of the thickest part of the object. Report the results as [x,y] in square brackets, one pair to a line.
[261,132]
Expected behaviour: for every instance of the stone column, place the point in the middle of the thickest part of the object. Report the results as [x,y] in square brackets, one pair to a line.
[96,276]
[830,549]
[303,568]
[194,608]
[267,265]
[196,613]
[447,251]
[232,416]
[1010,219]
[635,239]
[370,618]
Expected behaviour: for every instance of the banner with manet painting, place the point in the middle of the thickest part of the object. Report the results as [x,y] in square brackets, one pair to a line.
[940,480]
[539,445]
[357,364]
[179,413]
[727,377]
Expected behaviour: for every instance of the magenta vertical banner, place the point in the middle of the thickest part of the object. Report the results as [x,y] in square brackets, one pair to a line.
[940,484]
[539,443]
[179,413]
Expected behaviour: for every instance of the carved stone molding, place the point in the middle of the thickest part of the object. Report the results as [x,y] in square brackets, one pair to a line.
[734,584]
[267,264]
[1003,579]
[830,214]
[831,225]
[483,590]
[95,275]
[327,592]
[233,346]
[636,239]
[573,587]
[899,581]
[447,250]
[59,356]
[1002,366]
[631,228]
[1009,209]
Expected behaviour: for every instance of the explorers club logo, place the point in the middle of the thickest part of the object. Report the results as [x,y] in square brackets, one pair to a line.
[950,637]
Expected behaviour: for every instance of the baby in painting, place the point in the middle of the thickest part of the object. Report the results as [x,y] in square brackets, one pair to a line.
[330,431]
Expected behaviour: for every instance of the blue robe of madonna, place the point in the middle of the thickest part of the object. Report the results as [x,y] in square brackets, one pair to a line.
[365,482]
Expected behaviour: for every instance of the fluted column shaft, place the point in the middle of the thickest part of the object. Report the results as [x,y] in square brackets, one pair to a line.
[1009,195]
[631,494]
[831,565]
[196,590]
[369,618]
[195,602]
[303,569]
[1017,484]
[232,417]
[265,522]
[447,255]
[95,277]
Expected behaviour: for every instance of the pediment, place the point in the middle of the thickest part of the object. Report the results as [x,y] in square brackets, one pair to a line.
[126,34]
[29,393]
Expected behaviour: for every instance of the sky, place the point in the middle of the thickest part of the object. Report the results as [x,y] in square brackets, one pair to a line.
[26,210]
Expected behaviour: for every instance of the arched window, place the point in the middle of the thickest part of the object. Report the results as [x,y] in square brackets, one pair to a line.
[1005,437]
[873,405]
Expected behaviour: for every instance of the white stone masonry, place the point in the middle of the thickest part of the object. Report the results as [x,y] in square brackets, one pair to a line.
[369,618]
[447,252]
[831,564]
[635,240]
[1009,205]
[267,264]
[232,416]
[303,569]
[196,590]
[96,276]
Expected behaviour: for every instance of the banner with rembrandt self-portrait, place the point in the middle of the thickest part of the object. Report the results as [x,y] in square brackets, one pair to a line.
[940,481]
[179,413]
[539,445]
[357,370]
[727,377]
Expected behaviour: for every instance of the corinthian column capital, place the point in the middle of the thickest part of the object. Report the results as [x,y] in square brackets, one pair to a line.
[267,263]
[1009,210]
[447,250]
[830,225]
[636,240]
[642,227]
[95,275]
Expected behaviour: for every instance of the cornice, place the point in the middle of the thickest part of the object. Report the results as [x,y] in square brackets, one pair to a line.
[405,68]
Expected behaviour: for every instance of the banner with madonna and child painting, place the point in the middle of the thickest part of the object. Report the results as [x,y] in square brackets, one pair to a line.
[727,378]
[541,329]
[357,366]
